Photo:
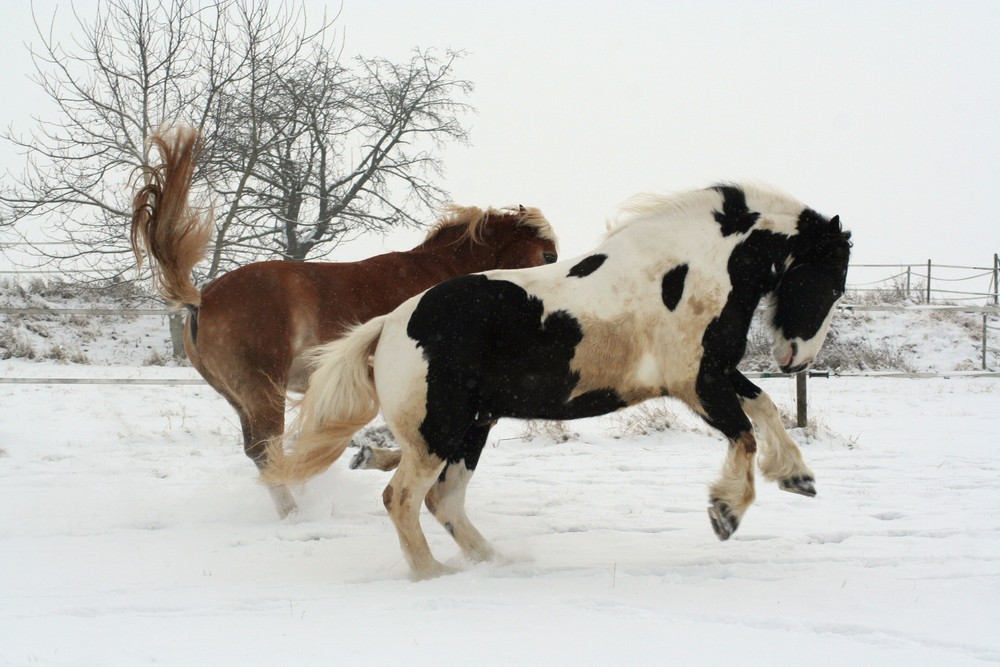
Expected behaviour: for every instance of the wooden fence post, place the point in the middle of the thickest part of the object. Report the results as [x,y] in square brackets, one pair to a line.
[801,407]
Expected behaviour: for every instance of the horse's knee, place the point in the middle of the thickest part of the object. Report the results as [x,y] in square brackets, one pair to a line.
[746,441]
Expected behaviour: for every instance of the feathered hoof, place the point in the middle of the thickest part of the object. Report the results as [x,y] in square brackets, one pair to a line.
[724,521]
[803,485]
[361,459]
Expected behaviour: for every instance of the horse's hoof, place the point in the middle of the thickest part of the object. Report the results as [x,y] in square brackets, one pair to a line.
[362,458]
[284,503]
[724,522]
[803,485]
[432,571]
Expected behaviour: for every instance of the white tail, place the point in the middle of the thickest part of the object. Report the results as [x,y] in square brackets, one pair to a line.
[340,400]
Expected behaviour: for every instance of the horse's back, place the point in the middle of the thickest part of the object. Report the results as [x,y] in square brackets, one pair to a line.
[256,320]
[572,339]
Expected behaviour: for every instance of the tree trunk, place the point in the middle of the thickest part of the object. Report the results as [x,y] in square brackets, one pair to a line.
[177,334]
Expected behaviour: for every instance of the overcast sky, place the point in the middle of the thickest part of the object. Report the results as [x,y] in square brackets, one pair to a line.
[883,112]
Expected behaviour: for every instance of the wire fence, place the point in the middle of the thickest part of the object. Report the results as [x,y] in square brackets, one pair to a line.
[926,283]
[906,287]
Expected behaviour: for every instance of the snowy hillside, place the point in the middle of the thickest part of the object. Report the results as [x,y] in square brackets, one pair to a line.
[914,340]
[82,339]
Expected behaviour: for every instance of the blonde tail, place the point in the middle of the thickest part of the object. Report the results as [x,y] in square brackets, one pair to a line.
[163,225]
[340,400]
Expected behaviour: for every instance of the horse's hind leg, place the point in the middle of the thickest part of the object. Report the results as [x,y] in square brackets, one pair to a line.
[446,499]
[376,458]
[417,472]
[257,432]
[258,426]
[780,458]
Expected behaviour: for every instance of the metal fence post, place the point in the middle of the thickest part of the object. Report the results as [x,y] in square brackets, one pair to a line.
[928,281]
[801,408]
[996,283]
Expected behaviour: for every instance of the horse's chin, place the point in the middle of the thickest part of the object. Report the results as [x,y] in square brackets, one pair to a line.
[789,357]
[795,369]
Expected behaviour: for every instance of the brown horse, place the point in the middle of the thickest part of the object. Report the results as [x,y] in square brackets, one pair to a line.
[246,330]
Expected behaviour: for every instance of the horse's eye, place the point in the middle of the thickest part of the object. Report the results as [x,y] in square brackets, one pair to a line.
[549,257]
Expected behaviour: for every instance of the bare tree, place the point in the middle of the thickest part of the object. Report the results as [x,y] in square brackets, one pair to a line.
[342,150]
[303,150]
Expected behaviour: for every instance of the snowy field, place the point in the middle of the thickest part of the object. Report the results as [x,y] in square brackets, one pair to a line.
[133,532]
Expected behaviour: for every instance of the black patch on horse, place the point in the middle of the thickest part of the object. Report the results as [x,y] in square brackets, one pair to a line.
[735,217]
[744,387]
[724,341]
[673,286]
[586,266]
[491,352]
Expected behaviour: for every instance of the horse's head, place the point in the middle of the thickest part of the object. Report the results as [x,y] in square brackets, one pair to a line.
[526,239]
[810,282]
[509,238]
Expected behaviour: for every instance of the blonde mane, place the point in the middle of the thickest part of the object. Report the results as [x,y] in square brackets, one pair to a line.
[682,204]
[472,220]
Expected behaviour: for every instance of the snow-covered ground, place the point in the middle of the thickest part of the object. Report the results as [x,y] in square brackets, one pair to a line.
[133,532]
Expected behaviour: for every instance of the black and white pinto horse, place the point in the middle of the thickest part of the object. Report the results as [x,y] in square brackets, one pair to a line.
[661,308]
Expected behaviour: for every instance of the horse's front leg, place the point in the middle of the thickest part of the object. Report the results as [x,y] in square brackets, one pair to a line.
[780,458]
[733,493]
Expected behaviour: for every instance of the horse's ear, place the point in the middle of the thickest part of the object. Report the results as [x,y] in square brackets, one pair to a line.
[838,228]
[521,209]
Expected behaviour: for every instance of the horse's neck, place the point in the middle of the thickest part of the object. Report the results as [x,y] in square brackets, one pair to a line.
[661,243]
[457,258]
[453,246]
[753,276]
